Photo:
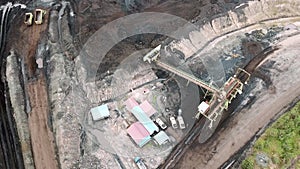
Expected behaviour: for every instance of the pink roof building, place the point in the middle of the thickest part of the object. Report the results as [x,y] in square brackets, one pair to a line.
[139,134]
[131,103]
[147,108]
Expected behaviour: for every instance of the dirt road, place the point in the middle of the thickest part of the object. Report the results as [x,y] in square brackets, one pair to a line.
[284,75]
[41,135]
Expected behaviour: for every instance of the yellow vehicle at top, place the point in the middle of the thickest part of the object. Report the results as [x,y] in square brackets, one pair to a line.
[28,18]
[38,17]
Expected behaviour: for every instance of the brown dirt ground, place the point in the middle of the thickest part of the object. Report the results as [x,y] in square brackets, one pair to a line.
[41,135]
[24,40]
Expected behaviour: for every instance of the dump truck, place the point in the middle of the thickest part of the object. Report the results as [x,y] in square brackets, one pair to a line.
[28,18]
[39,15]
[161,123]
[180,119]
[181,122]
[173,122]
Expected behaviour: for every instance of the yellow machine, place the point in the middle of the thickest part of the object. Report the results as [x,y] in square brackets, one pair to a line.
[38,17]
[28,18]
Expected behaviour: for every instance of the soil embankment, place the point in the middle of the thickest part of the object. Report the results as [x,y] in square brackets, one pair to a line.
[17,98]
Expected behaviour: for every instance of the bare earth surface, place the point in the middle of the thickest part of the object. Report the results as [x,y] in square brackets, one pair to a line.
[74,150]
[41,135]
[285,76]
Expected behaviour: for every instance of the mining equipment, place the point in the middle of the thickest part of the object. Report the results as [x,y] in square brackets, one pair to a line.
[28,18]
[221,97]
[38,16]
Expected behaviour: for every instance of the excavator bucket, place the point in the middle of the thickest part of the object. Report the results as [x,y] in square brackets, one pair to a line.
[28,18]
[39,14]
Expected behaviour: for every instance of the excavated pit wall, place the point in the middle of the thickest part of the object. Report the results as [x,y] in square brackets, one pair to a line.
[221,25]
[66,134]
[18,104]
[202,40]
[246,17]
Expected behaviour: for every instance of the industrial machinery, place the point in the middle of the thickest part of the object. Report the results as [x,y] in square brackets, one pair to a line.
[181,122]
[221,97]
[161,123]
[38,16]
[173,122]
[28,18]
